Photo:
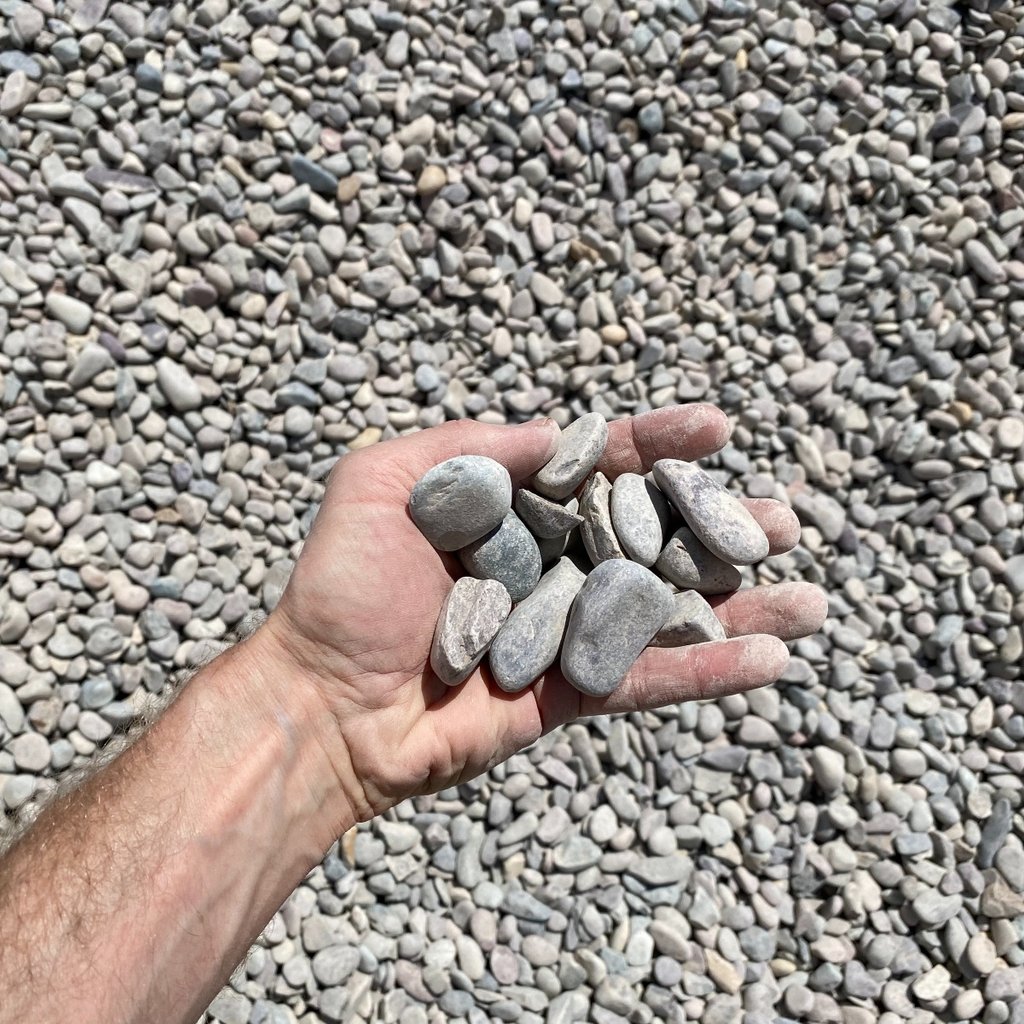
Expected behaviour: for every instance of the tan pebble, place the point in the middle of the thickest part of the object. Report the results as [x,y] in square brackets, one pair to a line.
[348,188]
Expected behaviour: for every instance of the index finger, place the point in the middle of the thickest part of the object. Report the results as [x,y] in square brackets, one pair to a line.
[686,432]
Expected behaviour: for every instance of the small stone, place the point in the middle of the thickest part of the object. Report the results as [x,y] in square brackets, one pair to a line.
[508,554]
[829,767]
[617,612]
[636,519]
[74,314]
[579,448]
[178,385]
[461,500]
[933,909]
[31,752]
[596,529]
[692,621]
[547,519]
[718,518]
[470,617]
[932,985]
[432,179]
[318,178]
[983,263]
[527,643]
[687,563]
[981,954]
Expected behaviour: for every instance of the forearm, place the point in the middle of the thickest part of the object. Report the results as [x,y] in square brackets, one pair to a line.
[134,896]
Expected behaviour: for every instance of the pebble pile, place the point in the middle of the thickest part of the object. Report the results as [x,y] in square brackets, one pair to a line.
[605,602]
[238,239]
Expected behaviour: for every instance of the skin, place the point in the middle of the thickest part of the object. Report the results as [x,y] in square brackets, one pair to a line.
[133,895]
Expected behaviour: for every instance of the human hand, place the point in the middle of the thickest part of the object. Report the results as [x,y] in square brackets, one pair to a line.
[359,612]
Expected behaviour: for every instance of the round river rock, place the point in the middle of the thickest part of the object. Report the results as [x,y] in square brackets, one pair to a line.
[460,500]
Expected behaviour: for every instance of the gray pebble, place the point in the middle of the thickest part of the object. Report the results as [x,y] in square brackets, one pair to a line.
[547,519]
[579,448]
[635,518]
[508,554]
[687,563]
[616,614]
[598,535]
[470,617]
[461,500]
[692,621]
[718,518]
[528,642]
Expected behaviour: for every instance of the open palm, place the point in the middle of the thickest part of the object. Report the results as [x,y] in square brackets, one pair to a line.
[360,610]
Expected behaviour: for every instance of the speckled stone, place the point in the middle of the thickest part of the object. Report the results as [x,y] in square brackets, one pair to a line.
[546,518]
[717,517]
[528,642]
[635,518]
[616,614]
[508,554]
[596,529]
[692,621]
[470,617]
[580,446]
[460,500]
[687,563]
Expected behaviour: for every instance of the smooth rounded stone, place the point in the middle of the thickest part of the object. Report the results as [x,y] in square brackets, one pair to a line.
[692,621]
[636,519]
[717,517]
[580,446]
[508,554]
[527,643]
[616,614]
[461,500]
[470,617]
[547,519]
[687,563]
[596,529]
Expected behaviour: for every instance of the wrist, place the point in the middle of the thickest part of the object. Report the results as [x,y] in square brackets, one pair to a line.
[277,710]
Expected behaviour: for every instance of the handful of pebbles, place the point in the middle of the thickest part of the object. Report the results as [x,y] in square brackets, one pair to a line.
[629,563]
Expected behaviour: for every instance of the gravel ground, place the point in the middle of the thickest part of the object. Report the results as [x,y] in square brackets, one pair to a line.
[236,240]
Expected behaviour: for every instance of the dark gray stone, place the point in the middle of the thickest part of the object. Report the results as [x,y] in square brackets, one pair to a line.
[717,517]
[471,615]
[635,518]
[528,642]
[619,609]
[580,446]
[461,500]
[508,554]
[687,563]
[547,519]
[692,621]
[596,529]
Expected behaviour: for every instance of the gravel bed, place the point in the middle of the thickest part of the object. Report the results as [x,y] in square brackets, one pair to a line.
[237,240]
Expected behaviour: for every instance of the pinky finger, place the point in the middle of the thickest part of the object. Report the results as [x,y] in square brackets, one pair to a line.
[663,676]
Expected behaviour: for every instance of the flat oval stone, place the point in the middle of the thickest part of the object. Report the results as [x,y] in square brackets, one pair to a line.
[460,500]
[616,614]
[528,642]
[580,446]
[717,517]
[508,554]
[546,518]
[635,518]
[692,621]
[470,617]
[687,563]
[596,529]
